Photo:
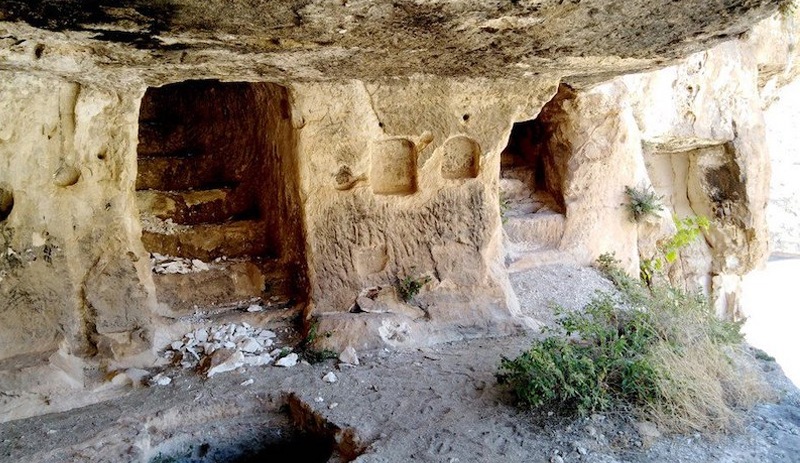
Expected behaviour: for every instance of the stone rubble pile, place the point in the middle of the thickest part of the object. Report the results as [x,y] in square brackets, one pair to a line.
[163,265]
[227,347]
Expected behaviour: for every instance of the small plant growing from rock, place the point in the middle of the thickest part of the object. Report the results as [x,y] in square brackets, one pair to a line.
[787,8]
[408,286]
[688,230]
[505,205]
[642,202]
[306,348]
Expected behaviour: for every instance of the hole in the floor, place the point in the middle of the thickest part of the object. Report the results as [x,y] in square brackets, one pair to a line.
[244,440]
[6,202]
[462,157]
[217,181]
[394,167]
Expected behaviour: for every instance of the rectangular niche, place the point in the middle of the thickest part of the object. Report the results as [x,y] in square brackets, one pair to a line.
[394,167]
[461,158]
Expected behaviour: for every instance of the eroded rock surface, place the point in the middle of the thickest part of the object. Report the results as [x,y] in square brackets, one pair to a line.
[304,152]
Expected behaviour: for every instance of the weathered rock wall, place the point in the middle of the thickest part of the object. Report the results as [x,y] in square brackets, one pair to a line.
[400,179]
[381,169]
[74,270]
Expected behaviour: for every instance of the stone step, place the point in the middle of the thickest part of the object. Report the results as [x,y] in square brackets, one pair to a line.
[204,241]
[158,138]
[178,171]
[517,262]
[227,286]
[222,285]
[542,229]
[192,207]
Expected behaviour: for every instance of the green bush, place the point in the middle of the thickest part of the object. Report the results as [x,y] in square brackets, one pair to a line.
[659,350]
[642,202]
[408,287]
[604,364]
[688,230]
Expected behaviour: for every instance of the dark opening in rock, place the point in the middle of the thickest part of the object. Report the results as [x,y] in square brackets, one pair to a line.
[217,182]
[534,157]
[251,440]
[6,203]
[533,171]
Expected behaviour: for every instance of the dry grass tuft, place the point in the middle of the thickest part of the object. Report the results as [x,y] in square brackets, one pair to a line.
[705,387]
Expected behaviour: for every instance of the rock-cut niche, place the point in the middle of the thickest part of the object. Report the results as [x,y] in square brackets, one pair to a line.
[532,174]
[217,184]
[394,167]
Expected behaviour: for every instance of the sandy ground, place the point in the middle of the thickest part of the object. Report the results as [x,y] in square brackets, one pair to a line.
[439,404]
[771,301]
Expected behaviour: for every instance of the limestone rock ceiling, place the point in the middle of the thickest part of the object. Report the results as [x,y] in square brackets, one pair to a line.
[367,39]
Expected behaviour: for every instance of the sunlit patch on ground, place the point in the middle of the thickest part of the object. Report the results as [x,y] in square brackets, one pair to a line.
[771,300]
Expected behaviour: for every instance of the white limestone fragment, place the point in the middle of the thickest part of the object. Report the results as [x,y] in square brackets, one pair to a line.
[349,356]
[288,361]
[250,345]
[247,383]
[330,377]
[199,265]
[225,360]
[121,379]
[161,380]
[258,360]
[255,308]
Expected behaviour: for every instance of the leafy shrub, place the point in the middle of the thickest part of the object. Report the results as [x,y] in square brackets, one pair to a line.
[660,350]
[408,287]
[605,364]
[642,202]
[688,230]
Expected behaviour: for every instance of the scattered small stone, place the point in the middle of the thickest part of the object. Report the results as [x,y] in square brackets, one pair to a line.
[319,400]
[250,345]
[257,361]
[247,382]
[164,265]
[349,356]
[197,347]
[121,379]
[160,380]
[556,459]
[225,360]
[288,361]
[330,378]
[333,405]
[199,265]
[648,432]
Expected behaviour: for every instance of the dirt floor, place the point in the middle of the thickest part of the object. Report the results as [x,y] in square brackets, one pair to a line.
[438,404]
